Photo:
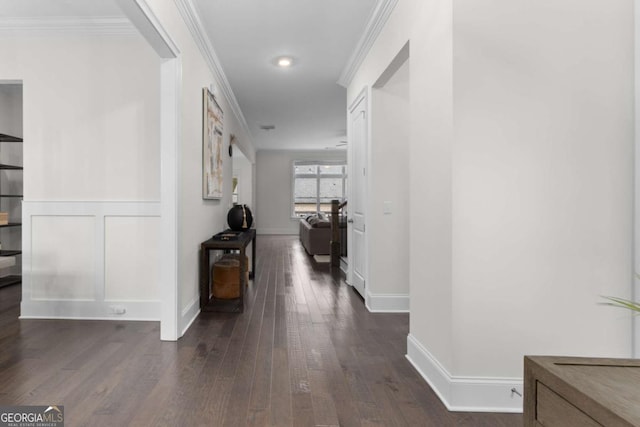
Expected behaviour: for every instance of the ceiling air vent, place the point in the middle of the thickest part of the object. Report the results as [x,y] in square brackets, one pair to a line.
[267,127]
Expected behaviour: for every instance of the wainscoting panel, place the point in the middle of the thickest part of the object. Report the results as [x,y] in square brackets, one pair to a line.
[63,252]
[91,260]
[132,257]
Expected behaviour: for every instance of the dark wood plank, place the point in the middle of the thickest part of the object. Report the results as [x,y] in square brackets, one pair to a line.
[305,351]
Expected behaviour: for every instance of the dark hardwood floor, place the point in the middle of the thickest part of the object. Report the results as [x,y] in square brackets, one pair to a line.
[304,352]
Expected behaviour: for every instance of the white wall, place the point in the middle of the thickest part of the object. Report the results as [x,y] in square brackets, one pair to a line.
[543,159]
[388,210]
[636,264]
[427,25]
[274,187]
[91,153]
[430,190]
[521,185]
[90,117]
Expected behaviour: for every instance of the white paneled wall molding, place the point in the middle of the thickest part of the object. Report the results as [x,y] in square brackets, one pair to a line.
[91,260]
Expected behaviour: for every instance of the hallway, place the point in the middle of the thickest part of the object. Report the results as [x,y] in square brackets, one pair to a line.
[305,352]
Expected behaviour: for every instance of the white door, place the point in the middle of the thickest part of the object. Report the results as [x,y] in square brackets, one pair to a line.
[358,134]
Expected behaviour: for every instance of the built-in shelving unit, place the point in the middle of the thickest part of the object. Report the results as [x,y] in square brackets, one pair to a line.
[10,167]
[9,138]
[9,252]
[11,279]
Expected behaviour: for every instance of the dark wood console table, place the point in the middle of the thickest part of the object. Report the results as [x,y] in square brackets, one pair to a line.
[240,243]
[578,391]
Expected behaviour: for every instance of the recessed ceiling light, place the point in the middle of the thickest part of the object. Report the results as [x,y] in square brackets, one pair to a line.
[284,61]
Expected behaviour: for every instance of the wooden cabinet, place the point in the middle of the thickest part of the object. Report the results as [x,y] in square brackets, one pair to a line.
[584,392]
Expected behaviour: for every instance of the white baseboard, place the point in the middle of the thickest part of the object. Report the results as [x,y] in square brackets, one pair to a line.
[278,231]
[387,303]
[344,267]
[464,394]
[189,314]
[90,310]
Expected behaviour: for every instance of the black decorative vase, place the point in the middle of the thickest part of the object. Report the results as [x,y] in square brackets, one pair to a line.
[240,218]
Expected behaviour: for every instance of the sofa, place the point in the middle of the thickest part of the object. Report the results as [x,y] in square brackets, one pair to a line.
[315,234]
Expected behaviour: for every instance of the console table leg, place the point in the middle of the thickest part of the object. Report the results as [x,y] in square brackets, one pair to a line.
[204,278]
[252,273]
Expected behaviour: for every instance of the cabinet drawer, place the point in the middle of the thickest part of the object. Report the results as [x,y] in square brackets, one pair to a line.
[554,411]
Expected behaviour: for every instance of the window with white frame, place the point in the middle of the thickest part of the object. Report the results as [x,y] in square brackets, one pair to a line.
[315,184]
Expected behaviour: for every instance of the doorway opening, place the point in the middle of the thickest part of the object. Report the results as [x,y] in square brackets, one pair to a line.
[11,185]
[243,184]
[242,179]
[389,202]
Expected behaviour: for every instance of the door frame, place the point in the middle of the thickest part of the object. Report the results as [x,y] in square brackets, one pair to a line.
[363,97]
[635,284]
[150,27]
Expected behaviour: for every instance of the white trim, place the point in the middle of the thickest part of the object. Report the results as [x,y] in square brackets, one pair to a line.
[90,208]
[99,280]
[396,63]
[344,267]
[148,25]
[89,310]
[464,394]
[363,96]
[98,307]
[104,25]
[387,303]
[189,12]
[171,79]
[141,14]
[376,23]
[278,231]
[189,315]
[635,286]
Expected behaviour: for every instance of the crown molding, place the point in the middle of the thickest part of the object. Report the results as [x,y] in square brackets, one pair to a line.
[104,25]
[191,17]
[375,25]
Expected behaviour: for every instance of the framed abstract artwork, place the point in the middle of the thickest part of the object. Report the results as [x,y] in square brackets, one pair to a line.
[212,161]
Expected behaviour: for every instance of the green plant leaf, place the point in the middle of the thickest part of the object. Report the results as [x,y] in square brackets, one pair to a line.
[622,303]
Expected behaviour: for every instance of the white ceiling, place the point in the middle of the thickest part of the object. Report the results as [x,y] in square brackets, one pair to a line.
[304,103]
